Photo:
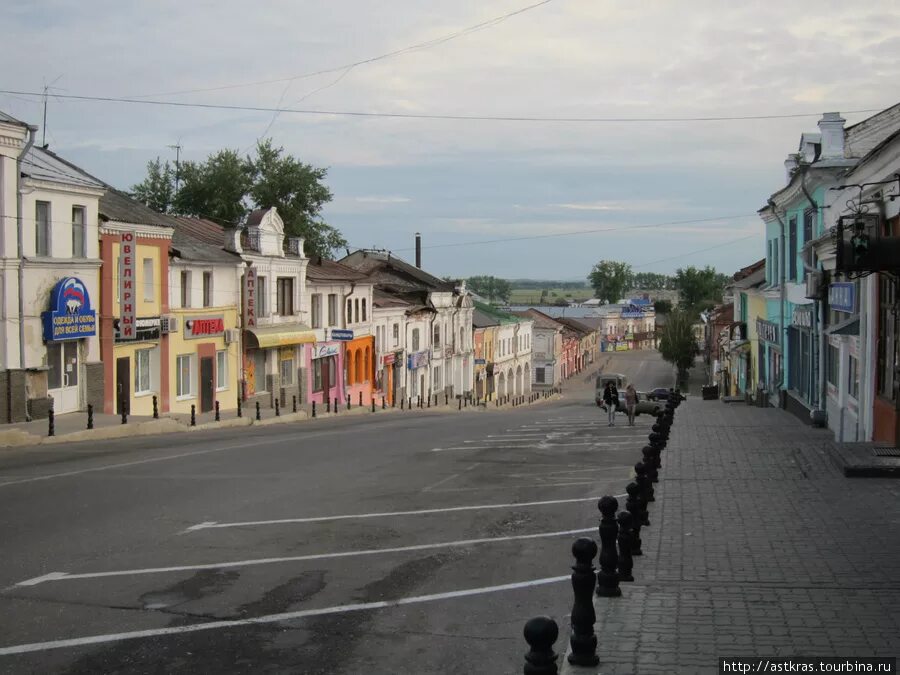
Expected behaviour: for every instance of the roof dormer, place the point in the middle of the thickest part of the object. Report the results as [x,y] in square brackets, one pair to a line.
[265,232]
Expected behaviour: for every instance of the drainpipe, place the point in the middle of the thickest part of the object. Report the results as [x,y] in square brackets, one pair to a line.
[819,415]
[782,283]
[20,236]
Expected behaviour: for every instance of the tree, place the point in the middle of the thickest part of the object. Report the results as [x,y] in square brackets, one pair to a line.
[699,289]
[676,344]
[610,279]
[225,186]
[650,281]
[490,287]
[157,189]
[662,306]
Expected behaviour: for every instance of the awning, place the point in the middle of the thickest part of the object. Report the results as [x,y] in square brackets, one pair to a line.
[279,335]
[848,327]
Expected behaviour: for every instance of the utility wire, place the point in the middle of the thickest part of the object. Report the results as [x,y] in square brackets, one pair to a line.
[466,118]
[421,45]
[700,250]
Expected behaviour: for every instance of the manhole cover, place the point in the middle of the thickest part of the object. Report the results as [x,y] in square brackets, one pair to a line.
[886,452]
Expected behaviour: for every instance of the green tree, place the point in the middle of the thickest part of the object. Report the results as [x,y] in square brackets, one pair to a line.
[650,281]
[609,279]
[157,189]
[676,344]
[699,289]
[662,306]
[490,288]
[215,188]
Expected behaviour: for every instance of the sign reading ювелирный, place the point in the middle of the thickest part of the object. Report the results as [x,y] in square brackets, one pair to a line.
[70,316]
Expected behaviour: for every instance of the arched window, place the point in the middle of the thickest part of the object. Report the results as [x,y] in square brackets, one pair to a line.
[356,306]
[364,309]
[437,335]
[359,367]
[368,363]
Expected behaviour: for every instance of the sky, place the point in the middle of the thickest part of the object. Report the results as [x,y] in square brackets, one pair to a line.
[515,199]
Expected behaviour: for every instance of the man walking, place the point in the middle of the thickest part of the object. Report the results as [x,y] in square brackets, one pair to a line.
[611,400]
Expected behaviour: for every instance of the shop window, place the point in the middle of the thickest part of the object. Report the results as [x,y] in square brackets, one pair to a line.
[888,356]
[142,371]
[317,375]
[437,378]
[259,370]
[208,289]
[287,372]
[539,375]
[78,234]
[54,362]
[853,378]
[185,369]
[221,370]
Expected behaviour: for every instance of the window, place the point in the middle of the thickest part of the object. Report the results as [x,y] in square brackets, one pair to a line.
[833,365]
[349,311]
[437,335]
[207,289]
[364,310]
[317,374]
[185,289]
[888,343]
[287,372]
[332,309]
[78,235]
[221,370]
[356,307]
[42,228]
[809,221]
[415,339]
[436,375]
[853,378]
[539,376]
[262,298]
[285,296]
[396,334]
[142,359]
[316,310]
[149,286]
[792,250]
[185,376]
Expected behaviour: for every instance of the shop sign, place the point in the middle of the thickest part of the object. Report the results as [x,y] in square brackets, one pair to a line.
[632,312]
[802,316]
[767,331]
[621,347]
[321,351]
[341,334]
[127,275]
[629,336]
[418,360]
[480,362]
[842,297]
[249,314]
[204,327]
[388,359]
[143,329]
[70,316]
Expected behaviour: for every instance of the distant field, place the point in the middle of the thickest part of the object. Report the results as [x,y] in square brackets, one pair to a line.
[531,296]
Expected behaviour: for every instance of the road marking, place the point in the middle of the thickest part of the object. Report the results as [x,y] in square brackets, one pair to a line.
[64,576]
[446,480]
[385,514]
[272,618]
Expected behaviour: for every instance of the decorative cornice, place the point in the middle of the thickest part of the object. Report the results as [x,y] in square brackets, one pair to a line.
[62,186]
[146,231]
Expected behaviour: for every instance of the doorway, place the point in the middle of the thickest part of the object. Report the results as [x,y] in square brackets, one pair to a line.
[207,384]
[62,375]
[123,385]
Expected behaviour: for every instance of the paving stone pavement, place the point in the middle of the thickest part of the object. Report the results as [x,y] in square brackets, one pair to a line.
[759,546]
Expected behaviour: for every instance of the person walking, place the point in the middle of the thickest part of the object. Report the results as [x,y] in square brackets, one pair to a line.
[611,400]
[630,403]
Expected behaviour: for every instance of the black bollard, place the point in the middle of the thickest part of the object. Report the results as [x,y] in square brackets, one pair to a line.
[446,399]
[90,424]
[257,412]
[313,408]
[155,408]
[583,640]
[650,462]
[421,404]
[360,399]
[402,402]
[277,409]
[435,400]
[607,579]
[626,564]
[409,403]
[633,505]
[383,403]
[328,405]
[394,401]
[294,403]
[540,634]
[218,417]
[240,412]
[348,401]
[193,415]
[373,404]
[642,481]
[429,402]
[465,402]
[336,405]
[51,425]
[460,404]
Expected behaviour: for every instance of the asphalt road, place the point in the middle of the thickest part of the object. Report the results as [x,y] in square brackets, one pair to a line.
[391,543]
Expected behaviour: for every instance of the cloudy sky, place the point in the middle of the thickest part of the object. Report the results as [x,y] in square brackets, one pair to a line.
[512,198]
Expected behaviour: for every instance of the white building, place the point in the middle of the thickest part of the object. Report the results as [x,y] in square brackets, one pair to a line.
[50,276]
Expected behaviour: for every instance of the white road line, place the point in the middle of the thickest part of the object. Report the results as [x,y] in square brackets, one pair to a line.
[385,514]
[446,480]
[271,618]
[64,576]
[513,487]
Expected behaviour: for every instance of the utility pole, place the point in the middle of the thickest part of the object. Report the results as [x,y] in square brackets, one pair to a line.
[177,149]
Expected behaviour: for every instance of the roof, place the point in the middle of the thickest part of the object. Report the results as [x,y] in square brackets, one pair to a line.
[540,319]
[117,206]
[576,325]
[753,279]
[382,267]
[9,119]
[495,314]
[483,319]
[324,271]
[255,217]
[188,247]
[201,229]
[749,269]
[386,300]
[41,164]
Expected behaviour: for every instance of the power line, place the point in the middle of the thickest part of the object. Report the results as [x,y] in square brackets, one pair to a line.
[701,250]
[347,66]
[424,116]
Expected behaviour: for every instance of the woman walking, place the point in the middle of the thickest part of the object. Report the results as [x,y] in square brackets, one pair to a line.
[611,399]
[630,403]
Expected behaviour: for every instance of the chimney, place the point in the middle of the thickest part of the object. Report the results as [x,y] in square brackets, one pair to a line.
[832,127]
[418,250]
[790,166]
[233,240]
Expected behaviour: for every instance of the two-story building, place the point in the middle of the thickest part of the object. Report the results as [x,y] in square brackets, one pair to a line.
[50,267]
[389,324]
[547,349]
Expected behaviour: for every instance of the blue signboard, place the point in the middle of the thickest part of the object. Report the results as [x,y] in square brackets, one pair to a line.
[341,334]
[480,362]
[641,302]
[632,312]
[842,297]
[71,316]
[418,360]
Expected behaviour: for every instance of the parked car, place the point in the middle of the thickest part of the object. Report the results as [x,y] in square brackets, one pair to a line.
[644,404]
[658,394]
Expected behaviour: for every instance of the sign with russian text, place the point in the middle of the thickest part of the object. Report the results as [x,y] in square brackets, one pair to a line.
[842,297]
[418,360]
[321,351]
[480,362]
[204,327]
[802,316]
[143,329]
[127,299]
[767,331]
[341,334]
[70,316]
[249,314]
[388,359]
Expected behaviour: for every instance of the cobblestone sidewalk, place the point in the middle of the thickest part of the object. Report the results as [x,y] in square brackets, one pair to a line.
[759,546]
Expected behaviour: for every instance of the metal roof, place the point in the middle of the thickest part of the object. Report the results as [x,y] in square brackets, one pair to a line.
[119,207]
[188,247]
[41,164]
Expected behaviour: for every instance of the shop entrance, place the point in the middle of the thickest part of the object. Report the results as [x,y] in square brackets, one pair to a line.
[62,376]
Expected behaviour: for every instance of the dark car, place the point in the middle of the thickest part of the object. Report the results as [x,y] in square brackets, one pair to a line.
[658,394]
